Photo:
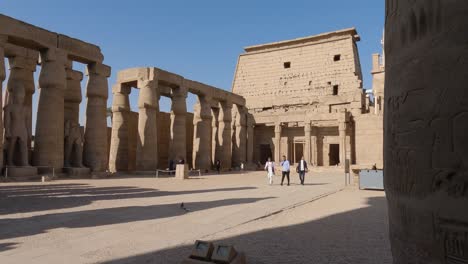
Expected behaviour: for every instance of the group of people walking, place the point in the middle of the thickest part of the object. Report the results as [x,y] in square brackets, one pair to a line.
[301,169]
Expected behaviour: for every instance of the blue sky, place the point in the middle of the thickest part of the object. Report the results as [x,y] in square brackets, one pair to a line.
[202,39]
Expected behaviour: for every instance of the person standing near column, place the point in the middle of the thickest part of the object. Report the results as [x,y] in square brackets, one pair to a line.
[285,169]
[302,169]
[270,168]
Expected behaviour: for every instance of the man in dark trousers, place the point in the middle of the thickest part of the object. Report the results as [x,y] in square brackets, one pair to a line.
[285,169]
[302,169]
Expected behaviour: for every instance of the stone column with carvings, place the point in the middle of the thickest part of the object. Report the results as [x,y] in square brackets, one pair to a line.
[307,143]
[214,135]
[147,146]
[224,134]
[250,139]
[314,148]
[22,68]
[178,137]
[3,40]
[95,138]
[277,143]
[240,149]
[119,147]
[202,139]
[73,96]
[49,136]
[342,135]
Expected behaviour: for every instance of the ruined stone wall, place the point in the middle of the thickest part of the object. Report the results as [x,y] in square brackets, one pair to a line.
[426,124]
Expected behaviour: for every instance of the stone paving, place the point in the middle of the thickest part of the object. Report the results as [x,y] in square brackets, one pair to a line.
[140,220]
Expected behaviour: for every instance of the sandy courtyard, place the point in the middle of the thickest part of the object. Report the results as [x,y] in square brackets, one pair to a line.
[139,220]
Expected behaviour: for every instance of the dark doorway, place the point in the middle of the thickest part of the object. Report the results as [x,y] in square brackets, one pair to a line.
[265,152]
[298,152]
[334,154]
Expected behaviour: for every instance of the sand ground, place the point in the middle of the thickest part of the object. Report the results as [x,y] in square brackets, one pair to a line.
[140,220]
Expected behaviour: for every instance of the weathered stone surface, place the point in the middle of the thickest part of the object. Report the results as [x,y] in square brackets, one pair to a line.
[426,178]
[181,171]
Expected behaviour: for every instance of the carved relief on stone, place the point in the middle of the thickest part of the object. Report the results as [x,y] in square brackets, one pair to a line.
[73,145]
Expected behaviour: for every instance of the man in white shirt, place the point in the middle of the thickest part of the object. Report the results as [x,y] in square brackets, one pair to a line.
[270,168]
[302,169]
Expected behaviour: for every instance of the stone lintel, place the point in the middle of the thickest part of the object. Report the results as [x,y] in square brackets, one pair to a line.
[99,69]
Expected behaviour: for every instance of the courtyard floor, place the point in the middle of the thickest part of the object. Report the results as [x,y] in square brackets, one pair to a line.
[140,220]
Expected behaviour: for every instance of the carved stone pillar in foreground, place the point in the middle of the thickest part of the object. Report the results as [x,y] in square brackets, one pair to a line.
[277,143]
[3,40]
[178,145]
[314,148]
[48,143]
[215,150]
[224,134]
[307,144]
[202,134]
[425,131]
[147,144]
[119,148]
[95,145]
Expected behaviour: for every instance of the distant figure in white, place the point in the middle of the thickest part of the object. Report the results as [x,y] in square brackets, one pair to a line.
[270,168]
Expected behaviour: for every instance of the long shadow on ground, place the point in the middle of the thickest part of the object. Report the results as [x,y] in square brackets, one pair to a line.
[358,236]
[20,227]
[34,198]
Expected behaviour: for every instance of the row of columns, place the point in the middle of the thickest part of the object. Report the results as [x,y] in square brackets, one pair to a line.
[213,134]
[59,99]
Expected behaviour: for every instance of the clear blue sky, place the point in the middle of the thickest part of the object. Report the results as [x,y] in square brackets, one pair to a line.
[202,39]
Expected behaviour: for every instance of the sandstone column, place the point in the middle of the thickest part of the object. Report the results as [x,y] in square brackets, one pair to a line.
[22,68]
[314,148]
[73,95]
[95,138]
[425,132]
[119,148]
[215,149]
[49,136]
[147,146]
[240,149]
[342,135]
[277,143]
[178,124]
[202,139]
[307,143]
[250,139]
[3,40]
[224,134]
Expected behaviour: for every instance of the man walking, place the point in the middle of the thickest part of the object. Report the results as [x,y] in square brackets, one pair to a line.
[302,169]
[285,170]
[270,168]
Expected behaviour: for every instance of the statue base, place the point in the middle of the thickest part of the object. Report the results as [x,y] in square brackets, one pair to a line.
[181,171]
[77,172]
[21,173]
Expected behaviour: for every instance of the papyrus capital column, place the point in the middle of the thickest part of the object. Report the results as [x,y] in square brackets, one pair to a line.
[118,157]
[95,139]
[224,134]
[148,108]
[202,133]
[73,96]
[178,143]
[49,136]
[239,151]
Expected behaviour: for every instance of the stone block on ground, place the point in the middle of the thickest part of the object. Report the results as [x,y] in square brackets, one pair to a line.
[21,173]
[77,172]
[181,171]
